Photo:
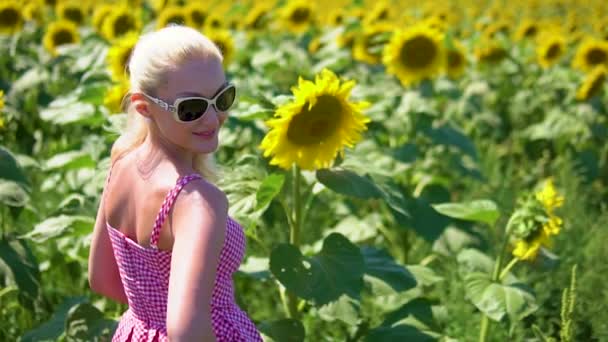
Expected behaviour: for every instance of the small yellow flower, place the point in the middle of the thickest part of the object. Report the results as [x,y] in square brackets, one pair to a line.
[527,249]
[549,196]
[316,126]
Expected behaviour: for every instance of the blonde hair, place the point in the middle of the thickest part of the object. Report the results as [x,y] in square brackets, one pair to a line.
[154,56]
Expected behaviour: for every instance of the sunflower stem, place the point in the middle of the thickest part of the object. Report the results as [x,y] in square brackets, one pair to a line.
[507,268]
[294,236]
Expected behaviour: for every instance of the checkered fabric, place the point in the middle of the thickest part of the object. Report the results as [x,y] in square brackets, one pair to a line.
[145,272]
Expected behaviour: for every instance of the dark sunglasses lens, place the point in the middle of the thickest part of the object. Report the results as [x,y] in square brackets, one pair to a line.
[190,110]
[226,99]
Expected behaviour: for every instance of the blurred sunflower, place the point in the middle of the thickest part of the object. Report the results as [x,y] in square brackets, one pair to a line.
[258,17]
[456,60]
[435,23]
[495,29]
[490,51]
[121,21]
[369,44]
[414,54]
[114,99]
[101,13]
[591,53]
[346,39]
[380,12]
[316,126]
[59,33]
[215,21]
[593,84]
[298,15]
[535,221]
[336,17]
[223,40]
[197,12]
[11,19]
[551,47]
[72,11]
[527,29]
[118,55]
[33,11]
[172,15]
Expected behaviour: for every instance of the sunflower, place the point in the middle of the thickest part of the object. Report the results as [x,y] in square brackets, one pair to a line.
[316,126]
[100,15]
[59,33]
[590,54]
[551,47]
[215,21]
[527,249]
[258,17]
[223,40]
[11,19]
[120,22]
[381,12]
[336,17]
[414,54]
[456,60]
[72,11]
[497,28]
[490,51]
[298,15]
[115,97]
[369,44]
[33,11]
[173,15]
[119,53]
[527,29]
[197,13]
[593,84]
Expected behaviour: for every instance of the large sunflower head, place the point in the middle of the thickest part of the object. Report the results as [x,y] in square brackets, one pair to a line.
[119,53]
[197,12]
[11,19]
[456,60]
[121,21]
[550,48]
[173,15]
[72,11]
[316,126]
[298,15]
[368,45]
[61,32]
[591,53]
[223,40]
[414,54]
[593,84]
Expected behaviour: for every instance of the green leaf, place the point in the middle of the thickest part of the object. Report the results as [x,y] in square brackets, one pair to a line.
[70,113]
[93,93]
[84,322]
[57,226]
[381,265]
[12,194]
[402,332]
[338,269]
[53,328]
[69,160]
[497,300]
[348,183]
[425,276]
[10,169]
[287,329]
[344,309]
[270,187]
[450,136]
[484,211]
[18,264]
[418,312]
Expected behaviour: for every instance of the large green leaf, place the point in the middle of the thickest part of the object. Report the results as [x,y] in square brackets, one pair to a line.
[84,322]
[401,332]
[54,327]
[338,269]
[19,265]
[10,169]
[381,265]
[12,194]
[344,309]
[484,211]
[69,160]
[59,225]
[287,329]
[419,312]
[348,183]
[269,189]
[62,113]
[450,136]
[497,300]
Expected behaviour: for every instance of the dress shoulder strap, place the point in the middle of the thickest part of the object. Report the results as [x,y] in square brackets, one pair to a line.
[167,204]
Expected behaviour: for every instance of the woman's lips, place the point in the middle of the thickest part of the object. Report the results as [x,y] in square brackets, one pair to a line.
[206,134]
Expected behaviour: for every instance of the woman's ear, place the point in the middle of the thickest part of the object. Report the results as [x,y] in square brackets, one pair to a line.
[141,106]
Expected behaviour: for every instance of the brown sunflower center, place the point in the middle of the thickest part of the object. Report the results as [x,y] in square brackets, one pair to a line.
[596,56]
[63,37]
[220,45]
[123,24]
[418,52]
[9,17]
[300,15]
[176,19]
[257,22]
[494,54]
[530,31]
[312,126]
[455,59]
[74,14]
[554,51]
[198,17]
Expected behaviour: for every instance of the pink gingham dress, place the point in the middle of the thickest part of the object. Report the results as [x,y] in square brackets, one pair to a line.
[145,276]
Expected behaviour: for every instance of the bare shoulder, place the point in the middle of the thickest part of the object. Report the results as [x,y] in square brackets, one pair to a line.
[200,203]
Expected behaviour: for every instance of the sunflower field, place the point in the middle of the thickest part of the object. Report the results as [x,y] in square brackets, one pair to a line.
[404,170]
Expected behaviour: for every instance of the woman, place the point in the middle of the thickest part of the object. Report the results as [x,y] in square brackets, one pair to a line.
[168,248]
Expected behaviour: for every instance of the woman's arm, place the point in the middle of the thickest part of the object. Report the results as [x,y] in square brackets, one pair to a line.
[104,277]
[199,227]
